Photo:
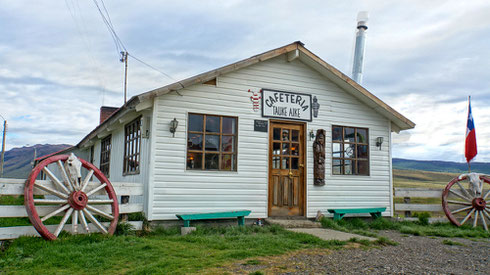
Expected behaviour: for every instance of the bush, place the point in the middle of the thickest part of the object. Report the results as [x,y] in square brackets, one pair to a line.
[423,218]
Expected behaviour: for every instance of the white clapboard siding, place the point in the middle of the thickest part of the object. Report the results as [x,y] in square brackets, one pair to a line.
[7,233]
[173,189]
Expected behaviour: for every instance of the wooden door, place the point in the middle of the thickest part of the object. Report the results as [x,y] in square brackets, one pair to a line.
[286,169]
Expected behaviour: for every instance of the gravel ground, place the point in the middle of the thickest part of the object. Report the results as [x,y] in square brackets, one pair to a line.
[413,255]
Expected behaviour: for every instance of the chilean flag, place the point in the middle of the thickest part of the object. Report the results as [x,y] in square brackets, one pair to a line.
[470,142]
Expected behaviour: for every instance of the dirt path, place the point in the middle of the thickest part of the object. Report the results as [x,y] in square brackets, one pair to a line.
[413,255]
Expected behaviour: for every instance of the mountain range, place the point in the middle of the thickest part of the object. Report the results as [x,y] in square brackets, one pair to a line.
[18,162]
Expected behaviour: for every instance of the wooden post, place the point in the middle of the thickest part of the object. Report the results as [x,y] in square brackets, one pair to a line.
[124,200]
[407,213]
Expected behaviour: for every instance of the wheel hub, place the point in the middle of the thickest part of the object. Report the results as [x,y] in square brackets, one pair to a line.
[479,203]
[78,200]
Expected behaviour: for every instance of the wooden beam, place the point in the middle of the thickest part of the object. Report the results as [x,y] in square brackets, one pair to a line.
[418,207]
[293,55]
[144,105]
[418,192]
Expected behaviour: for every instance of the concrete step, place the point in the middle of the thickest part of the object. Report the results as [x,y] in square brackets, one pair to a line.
[293,223]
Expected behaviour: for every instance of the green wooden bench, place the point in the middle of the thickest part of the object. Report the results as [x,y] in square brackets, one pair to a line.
[338,214]
[240,214]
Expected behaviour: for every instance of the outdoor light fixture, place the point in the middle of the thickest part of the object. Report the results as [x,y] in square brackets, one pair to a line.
[379,141]
[312,135]
[173,126]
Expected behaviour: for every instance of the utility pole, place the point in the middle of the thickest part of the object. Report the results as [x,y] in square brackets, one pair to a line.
[124,58]
[3,146]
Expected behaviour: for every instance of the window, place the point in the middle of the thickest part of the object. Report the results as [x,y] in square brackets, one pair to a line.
[350,151]
[212,142]
[92,154]
[105,155]
[132,146]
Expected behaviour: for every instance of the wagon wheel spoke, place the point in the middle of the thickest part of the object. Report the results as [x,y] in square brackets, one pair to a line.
[482,216]
[467,216]
[486,195]
[55,212]
[100,212]
[96,190]
[55,180]
[74,222]
[63,222]
[83,221]
[459,202]
[65,176]
[51,191]
[475,218]
[459,195]
[461,209]
[465,192]
[46,201]
[86,180]
[94,221]
[95,201]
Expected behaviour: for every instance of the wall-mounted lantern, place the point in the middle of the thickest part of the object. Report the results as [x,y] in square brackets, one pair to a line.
[379,142]
[312,135]
[173,126]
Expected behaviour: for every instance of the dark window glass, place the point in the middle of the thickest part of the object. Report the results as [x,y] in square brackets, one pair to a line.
[350,151]
[294,163]
[132,156]
[277,134]
[295,135]
[212,142]
[105,155]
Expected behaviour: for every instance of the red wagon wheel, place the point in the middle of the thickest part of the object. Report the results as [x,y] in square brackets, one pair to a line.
[72,195]
[467,196]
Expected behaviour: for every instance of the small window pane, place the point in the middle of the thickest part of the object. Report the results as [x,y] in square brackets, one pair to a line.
[194,161]
[362,151]
[195,123]
[276,148]
[229,125]
[350,151]
[212,124]
[337,150]
[285,163]
[337,134]
[211,161]
[361,136]
[295,135]
[285,148]
[337,167]
[285,134]
[212,143]
[348,167]
[294,163]
[228,143]
[295,149]
[227,162]
[194,142]
[349,135]
[277,133]
[363,167]
[276,162]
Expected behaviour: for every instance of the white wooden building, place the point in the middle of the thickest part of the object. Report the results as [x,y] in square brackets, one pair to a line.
[232,150]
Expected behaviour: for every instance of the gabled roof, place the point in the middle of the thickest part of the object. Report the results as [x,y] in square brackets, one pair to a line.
[294,50]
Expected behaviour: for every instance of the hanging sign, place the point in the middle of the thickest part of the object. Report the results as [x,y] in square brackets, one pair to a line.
[286,105]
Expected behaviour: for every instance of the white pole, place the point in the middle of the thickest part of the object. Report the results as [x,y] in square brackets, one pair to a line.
[362,19]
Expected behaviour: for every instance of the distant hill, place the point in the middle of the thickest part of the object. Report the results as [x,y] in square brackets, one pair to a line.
[440,166]
[18,160]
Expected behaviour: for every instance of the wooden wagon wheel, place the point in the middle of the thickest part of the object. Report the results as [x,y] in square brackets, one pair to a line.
[73,195]
[467,194]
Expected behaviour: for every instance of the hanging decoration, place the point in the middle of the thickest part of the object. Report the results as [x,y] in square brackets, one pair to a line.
[255,98]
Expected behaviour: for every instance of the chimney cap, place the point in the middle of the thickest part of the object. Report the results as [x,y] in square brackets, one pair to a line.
[362,19]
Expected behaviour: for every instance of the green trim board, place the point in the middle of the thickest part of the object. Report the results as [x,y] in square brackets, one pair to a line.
[338,214]
[239,214]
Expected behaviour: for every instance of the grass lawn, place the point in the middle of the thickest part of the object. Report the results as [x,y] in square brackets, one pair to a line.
[162,251]
[419,228]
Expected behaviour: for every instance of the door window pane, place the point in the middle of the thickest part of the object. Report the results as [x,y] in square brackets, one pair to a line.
[294,163]
[194,142]
[276,148]
[276,162]
[295,149]
[277,133]
[195,123]
[212,124]
[212,143]
[285,163]
[285,134]
[285,148]
[295,135]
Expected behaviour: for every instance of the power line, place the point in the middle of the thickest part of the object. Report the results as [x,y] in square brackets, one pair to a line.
[150,66]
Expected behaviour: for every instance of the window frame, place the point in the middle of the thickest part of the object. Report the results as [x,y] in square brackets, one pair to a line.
[355,160]
[220,151]
[132,146]
[105,151]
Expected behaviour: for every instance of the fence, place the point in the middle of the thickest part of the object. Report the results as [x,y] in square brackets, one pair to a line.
[15,187]
[408,193]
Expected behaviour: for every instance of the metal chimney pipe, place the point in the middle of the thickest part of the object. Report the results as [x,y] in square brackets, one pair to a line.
[362,18]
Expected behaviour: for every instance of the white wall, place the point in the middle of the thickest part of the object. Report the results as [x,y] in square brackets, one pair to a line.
[173,189]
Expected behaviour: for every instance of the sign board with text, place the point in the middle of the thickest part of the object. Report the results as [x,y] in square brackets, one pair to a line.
[286,105]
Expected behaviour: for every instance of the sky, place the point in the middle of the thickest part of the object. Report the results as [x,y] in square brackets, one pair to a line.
[59,64]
